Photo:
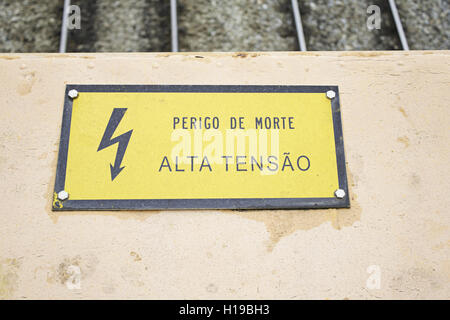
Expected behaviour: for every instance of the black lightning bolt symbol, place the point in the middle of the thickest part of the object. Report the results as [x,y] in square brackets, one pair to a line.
[122,140]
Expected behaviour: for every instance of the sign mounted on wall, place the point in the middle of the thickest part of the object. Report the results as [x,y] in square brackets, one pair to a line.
[144,147]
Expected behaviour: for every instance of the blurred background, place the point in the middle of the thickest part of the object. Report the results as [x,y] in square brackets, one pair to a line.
[221,25]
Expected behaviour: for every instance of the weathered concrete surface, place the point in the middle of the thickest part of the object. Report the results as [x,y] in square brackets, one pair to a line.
[395,122]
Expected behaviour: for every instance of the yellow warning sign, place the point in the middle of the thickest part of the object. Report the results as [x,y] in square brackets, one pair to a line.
[153,147]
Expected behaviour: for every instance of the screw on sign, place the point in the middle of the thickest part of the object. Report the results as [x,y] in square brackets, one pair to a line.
[63,195]
[339,193]
[331,94]
[73,93]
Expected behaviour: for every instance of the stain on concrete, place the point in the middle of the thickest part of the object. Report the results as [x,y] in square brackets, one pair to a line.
[9,277]
[27,82]
[403,112]
[67,271]
[240,55]
[63,272]
[417,282]
[9,57]
[302,53]
[212,288]
[404,140]
[281,223]
[164,55]
[415,180]
[136,256]
[364,54]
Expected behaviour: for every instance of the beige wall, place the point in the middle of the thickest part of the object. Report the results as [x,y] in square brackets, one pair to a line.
[396,120]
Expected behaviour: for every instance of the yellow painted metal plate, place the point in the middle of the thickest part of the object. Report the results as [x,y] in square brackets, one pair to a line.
[175,147]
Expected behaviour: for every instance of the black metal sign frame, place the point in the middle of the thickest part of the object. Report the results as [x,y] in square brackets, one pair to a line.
[221,203]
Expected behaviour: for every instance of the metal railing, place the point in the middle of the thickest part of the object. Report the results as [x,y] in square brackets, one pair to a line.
[64,29]
[174,25]
[398,25]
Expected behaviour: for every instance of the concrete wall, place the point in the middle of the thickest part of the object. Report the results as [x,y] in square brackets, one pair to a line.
[396,131]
